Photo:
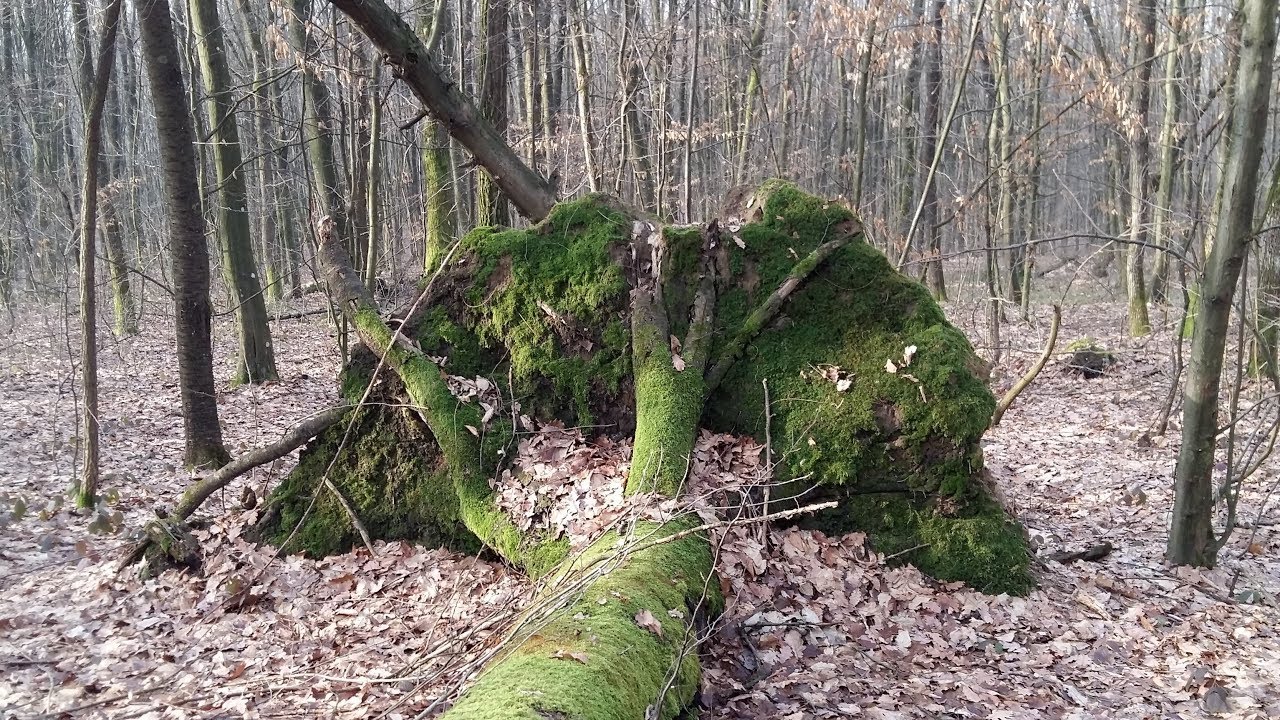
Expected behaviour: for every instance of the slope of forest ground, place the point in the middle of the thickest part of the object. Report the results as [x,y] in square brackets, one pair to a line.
[815,627]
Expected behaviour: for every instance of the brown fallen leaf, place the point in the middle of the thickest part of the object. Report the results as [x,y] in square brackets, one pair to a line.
[578,655]
[646,620]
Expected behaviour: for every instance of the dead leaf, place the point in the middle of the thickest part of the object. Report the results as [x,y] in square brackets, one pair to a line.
[646,620]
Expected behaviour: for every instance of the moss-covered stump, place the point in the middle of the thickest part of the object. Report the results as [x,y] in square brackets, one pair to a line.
[876,399]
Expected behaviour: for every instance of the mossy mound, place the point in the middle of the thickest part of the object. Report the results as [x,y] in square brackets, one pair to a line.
[388,469]
[1089,358]
[873,394]
[552,301]
[876,399]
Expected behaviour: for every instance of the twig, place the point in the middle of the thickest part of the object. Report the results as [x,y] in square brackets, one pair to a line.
[768,458]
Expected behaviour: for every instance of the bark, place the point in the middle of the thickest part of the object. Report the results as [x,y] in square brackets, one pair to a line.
[317,124]
[491,70]
[1161,212]
[582,75]
[86,487]
[928,148]
[755,50]
[1139,158]
[1191,536]
[257,358]
[373,172]
[188,252]
[126,318]
[636,147]
[439,196]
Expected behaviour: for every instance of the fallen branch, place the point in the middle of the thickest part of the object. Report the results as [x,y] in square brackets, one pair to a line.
[1031,374]
[1091,554]
[196,494]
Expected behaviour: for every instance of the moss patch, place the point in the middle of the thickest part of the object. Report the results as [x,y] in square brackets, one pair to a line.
[841,418]
[554,299]
[391,473]
[978,544]
[591,660]
[917,428]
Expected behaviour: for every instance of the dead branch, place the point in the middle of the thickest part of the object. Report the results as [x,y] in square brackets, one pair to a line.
[1031,374]
[196,494]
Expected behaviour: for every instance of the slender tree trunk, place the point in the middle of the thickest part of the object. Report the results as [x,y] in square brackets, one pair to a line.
[928,147]
[689,116]
[1160,231]
[316,125]
[582,74]
[372,171]
[257,359]
[635,146]
[440,201]
[491,69]
[188,251]
[1191,537]
[755,50]
[860,131]
[86,487]
[1144,49]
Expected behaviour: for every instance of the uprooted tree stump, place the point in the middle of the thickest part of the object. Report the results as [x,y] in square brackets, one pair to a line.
[598,316]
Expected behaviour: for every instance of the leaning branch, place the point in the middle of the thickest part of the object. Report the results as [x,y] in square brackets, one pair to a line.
[411,62]
[1031,374]
[194,497]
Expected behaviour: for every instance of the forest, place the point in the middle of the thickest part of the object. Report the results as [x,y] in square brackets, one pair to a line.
[639,359]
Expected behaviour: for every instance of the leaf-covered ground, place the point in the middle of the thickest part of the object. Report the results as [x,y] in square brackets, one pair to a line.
[815,627]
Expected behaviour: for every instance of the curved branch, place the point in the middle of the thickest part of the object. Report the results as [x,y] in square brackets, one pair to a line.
[1031,374]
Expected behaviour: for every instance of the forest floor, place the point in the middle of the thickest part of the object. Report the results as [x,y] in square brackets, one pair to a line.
[816,627]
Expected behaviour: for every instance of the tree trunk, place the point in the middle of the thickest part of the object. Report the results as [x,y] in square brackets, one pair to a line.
[86,486]
[1161,236]
[1144,49]
[491,71]
[188,252]
[257,358]
[439,198]
[755,49]
[1191,536]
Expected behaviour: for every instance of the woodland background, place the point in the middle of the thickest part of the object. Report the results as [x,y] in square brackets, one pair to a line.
[1010,155]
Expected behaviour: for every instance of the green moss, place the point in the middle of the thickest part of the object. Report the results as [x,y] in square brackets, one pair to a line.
[553,298]
[591,660]
[668,406]
[979,545]
[440,336]
[854,314]
[392,474]
[914,432]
